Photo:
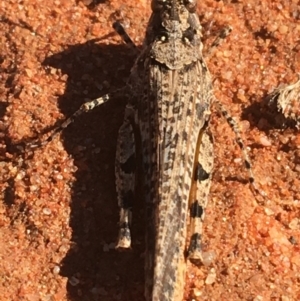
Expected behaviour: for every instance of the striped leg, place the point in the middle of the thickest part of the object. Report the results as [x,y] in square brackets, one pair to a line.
[201,182]
[125,176]
[200,192]
[239,140]
[86,107]
[222,35]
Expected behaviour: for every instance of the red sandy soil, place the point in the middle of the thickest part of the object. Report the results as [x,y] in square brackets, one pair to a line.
[58,208]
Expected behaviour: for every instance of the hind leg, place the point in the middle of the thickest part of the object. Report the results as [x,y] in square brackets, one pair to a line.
[199,195]
[125,166]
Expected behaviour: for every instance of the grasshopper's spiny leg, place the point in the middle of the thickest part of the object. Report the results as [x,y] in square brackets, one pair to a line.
[203,167]
[125,176]
[86,107]
[222,35]
[240,143]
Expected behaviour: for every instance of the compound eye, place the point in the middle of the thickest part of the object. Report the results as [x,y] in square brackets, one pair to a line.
[191,5]
[189,35]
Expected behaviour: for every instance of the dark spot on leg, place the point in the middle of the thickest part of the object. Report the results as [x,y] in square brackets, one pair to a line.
[129,165]
[240,144]
[127,199]
[247,164]
[200,173]
[196,210]
[195,244]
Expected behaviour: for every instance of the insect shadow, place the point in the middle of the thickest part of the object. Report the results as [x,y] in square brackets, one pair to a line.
[95,271]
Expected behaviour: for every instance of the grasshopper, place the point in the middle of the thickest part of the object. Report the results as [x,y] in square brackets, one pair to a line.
[166,129]
[168,113]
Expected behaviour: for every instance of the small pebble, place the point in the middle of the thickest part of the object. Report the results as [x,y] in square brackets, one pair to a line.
[283,29]
[47,211]
[211,277]
[294,224]
[208,257]
[197,292]
[56,269]
[237,160]
[265,141]
[269,211]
